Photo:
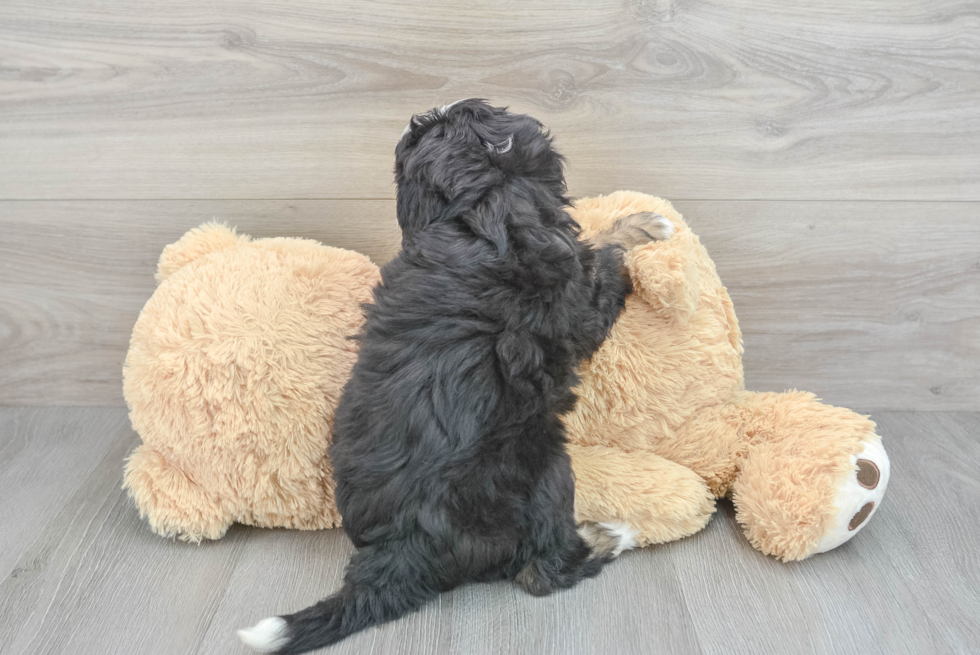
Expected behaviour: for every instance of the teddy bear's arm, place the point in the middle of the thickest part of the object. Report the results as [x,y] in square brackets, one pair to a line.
[612,277]
[639,495]
[667,275]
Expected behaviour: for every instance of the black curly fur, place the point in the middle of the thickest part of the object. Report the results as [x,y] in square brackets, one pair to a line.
[448,450]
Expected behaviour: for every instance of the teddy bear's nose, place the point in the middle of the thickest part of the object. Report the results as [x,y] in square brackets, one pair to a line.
[868,474]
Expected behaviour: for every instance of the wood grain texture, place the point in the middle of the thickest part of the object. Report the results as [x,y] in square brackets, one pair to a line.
[123,124]
[870,305]
[74,276]
[875,594]
[45,456]
[90,578]
[748,99]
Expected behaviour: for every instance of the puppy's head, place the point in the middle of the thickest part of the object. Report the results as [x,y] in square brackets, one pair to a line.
[453,158]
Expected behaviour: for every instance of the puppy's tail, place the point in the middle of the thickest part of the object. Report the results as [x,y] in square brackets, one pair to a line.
[367,598]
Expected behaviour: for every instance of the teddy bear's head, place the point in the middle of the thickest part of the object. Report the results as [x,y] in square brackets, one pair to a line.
[234,369]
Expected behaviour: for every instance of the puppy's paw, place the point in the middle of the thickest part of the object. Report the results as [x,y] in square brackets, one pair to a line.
[535,581]
[635,230]
[607,539]
[546,575]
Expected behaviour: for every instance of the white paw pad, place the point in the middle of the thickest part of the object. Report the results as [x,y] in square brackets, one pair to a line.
[859,495]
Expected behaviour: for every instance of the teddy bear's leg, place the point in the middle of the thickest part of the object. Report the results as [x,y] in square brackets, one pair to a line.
[859,494]
[639,496]
[173,503]
[810,475]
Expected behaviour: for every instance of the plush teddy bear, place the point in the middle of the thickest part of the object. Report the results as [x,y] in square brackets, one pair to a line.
[237,362]
[234,369]
[666,389]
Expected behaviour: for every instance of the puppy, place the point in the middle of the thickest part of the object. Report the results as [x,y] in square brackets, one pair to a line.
[448,448]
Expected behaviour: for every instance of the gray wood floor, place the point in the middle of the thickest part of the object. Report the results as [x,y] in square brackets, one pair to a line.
[82,574]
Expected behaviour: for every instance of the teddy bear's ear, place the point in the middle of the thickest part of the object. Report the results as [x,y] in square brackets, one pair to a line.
[665,274]
[196,243]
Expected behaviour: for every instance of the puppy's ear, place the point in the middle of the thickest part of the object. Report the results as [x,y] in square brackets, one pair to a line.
[488,220]
[415,209]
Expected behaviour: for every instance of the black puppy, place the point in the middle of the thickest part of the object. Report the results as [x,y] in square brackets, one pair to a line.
[448,448]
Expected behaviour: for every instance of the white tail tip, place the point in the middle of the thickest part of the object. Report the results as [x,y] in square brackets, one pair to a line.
[266,636]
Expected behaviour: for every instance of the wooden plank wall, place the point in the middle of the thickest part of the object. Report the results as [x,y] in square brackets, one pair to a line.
[827,153]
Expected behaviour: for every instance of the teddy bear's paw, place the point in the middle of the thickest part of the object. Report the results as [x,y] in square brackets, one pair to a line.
[635,230]
[859,496]
[174,504]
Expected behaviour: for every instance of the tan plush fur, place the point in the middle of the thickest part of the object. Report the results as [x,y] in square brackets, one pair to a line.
[236,365]
[667,383]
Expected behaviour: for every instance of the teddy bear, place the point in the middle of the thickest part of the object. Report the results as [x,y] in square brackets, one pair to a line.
[237,362]
[666,388]
[235,367]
